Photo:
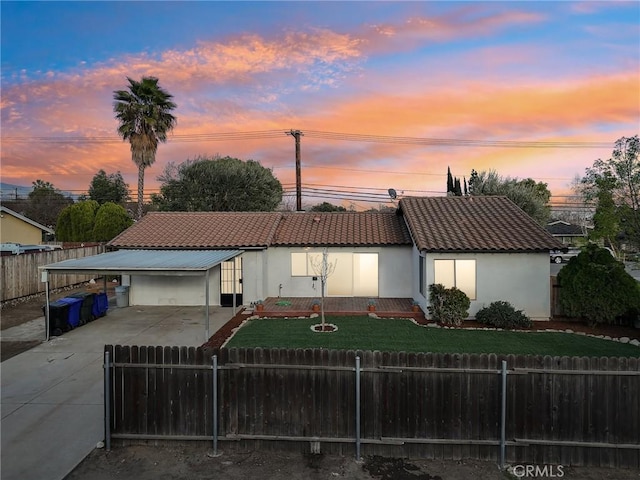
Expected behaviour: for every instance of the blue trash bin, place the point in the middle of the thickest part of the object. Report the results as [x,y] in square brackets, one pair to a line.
[75,304]
[100,304]
[86,310]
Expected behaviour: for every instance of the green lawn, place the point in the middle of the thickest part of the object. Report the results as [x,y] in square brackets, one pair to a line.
[365,333]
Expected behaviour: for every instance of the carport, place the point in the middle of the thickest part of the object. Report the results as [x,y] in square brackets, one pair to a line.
[144,262]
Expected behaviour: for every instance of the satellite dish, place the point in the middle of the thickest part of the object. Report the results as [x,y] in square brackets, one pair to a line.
[392,193]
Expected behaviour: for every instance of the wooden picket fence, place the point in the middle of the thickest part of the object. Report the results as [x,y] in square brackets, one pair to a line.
[21,276]
[556,410]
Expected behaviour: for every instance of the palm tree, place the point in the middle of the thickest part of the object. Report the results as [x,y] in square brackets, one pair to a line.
[144,113]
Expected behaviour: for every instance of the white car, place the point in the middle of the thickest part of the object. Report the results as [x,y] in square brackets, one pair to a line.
[560,256]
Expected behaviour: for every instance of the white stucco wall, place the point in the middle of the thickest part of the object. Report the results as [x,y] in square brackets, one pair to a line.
[174,290]
[394,263]
[522,279]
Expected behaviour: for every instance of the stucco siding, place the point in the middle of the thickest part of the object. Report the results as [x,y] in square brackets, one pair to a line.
[393,265]
[174,290]
[521,279]
[14,230]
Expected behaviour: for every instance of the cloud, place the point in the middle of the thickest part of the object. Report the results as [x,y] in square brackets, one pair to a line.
[324,80]
[467,22]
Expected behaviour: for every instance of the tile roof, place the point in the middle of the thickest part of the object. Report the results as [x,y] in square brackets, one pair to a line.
[565,229]
[473,224]
[194,230]
[189,230]
[341,228]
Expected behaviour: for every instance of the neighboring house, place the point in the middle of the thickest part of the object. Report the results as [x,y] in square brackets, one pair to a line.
[486,246]
[16,228]
[567,233]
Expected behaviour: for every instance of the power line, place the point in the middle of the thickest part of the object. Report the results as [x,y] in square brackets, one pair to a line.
[351,137]
[453,141]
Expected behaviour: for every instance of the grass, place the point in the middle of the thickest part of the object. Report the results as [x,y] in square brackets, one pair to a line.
[401,335]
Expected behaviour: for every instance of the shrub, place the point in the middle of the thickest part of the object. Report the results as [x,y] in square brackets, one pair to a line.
[502,315]
[449,306]
[596,287]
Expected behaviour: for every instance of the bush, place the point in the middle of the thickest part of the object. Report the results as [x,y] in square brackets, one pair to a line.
[449,306]
[502,315]
[596,287]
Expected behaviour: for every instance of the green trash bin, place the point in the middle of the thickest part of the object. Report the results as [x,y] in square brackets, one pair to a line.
[122,296]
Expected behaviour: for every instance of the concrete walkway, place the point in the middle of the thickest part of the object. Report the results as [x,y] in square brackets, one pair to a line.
[52,395]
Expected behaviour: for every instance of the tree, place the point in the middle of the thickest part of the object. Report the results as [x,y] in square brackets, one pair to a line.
[87,221]
[620,176]
[218,184]
[108,188]
[45,203]
[323,269]
[144,116]
[327,207]
[606,225]
[530,196]
[596,287]
[75,223]
[110,220]
[449,181]
[454,187]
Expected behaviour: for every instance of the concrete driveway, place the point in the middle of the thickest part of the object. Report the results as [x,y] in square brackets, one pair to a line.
[52,395]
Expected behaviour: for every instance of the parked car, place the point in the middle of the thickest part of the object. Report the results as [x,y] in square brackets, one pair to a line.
[560,256]
[19,248]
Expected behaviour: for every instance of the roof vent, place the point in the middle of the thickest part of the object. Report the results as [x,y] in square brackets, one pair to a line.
[316,219]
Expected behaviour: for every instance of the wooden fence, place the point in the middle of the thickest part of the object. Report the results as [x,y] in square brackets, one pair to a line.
[21,277]
[557,410]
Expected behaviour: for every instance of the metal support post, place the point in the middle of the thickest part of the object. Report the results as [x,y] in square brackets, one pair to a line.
[206,296]
[503,413]
[107,402]
[215,405]
[47,313]
[357,408]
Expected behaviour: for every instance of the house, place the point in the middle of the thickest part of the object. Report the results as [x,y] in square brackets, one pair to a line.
[372,253]
[16,228]
[568,233]
[486,246]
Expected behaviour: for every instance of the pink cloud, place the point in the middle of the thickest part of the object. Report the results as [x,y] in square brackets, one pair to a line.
[447,105]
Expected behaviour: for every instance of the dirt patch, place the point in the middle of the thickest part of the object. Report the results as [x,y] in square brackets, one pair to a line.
[10,349]
[613,331]
[195,463]
[151,463]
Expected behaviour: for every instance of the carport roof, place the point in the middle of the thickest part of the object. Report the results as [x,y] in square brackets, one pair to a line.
[149,262]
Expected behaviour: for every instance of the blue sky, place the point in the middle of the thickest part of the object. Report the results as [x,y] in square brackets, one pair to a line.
[567,73]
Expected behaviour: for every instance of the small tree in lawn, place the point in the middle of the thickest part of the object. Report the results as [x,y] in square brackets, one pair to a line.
[323,269]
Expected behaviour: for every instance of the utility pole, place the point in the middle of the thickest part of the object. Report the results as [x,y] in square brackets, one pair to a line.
[296,134]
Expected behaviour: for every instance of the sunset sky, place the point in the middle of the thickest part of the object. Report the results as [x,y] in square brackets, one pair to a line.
[386,94]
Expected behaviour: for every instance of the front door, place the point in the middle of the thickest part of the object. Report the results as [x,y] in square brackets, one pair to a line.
[226,282]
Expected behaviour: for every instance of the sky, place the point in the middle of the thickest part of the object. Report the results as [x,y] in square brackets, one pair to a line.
[386,94]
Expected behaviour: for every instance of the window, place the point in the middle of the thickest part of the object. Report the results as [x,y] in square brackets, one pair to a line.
[301,263]
[298,264]
[456,273]
[353,274]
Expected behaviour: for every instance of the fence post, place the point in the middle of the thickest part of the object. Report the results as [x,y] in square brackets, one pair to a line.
[357,408]
[503,413]
[107,402]
[215,405]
